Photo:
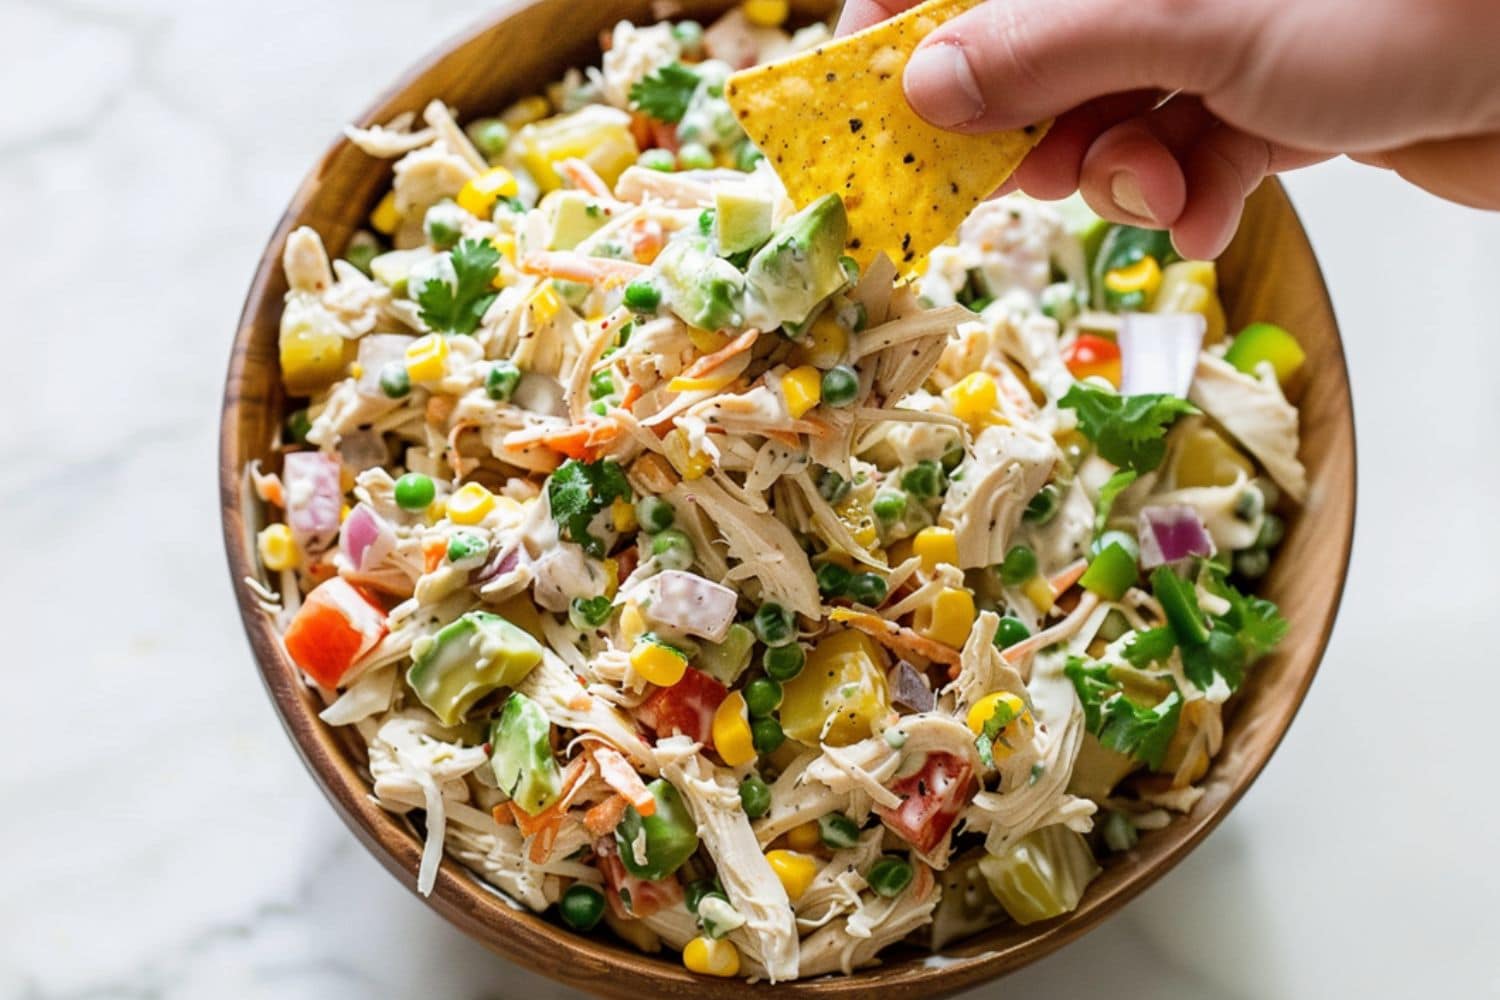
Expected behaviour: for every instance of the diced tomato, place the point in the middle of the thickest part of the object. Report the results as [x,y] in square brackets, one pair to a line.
[1091,354]
[932,797]
[336,625]
[686,707]
[645,897]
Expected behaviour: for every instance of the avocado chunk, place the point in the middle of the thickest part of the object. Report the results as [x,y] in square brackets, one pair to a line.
[743,218]
[573,217]
[800,266]
[466,660]
[703,289]
[521,755]
[670,834]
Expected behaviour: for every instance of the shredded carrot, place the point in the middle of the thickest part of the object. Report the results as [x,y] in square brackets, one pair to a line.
[580,702]
[640,128]
[619,775]
[459,463]
[580,441]
[502,814]
[646,240]
[632,394]
[1068,576]
[788,438]
[663,135]
[541,845]
[604,817]
[268,487]
[577,267]
[433,551]
[709,362]
[896,637]
[583,177]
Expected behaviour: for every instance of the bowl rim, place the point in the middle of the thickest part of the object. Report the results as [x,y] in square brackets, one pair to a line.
[597,964]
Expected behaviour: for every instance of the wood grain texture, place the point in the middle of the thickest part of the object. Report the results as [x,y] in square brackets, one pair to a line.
[1269,273]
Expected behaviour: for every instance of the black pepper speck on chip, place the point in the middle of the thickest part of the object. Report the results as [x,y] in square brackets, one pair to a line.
[855,124]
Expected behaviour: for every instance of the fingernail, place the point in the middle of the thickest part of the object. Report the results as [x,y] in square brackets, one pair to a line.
[1125,191]
[941,87]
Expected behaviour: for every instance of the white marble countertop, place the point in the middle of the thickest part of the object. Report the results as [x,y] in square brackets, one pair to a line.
[161,839]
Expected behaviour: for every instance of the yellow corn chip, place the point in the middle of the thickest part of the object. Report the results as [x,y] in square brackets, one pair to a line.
[835,119]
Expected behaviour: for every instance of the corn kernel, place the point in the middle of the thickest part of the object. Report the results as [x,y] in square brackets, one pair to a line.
[611,577]
[973,397]
[632,624]
[657,663]
[311,356]
[803,389]
[795,870]
[712,383]
[545,303]
[427,358]
[709,957]
[470,504]
[804,837]
[532,108]
[1039,592]
[344,512]
[478,196]
[766,13]
[1015,732]
[731,731]
[935,546]
[622,514]
[949,619]
[707,341]
[385,218]
[1142,276]
[827,342]
[689,462]
[277,548]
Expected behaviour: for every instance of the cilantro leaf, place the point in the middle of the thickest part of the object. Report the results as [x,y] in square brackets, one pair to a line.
[665,94]
[1120,723]
[577,492]
[1129,431]
[1003,716]
[458,307]
[1112,488]
[1151,646]
[1256,621]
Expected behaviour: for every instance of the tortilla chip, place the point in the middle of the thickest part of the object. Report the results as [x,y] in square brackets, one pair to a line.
[835,119]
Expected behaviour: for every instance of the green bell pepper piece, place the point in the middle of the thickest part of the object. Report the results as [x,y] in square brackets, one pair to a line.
[521,755]
[670,834]
[725,661]
[1180,604]
[1266,342]
[1112,572]
[1123,246]
[466,660]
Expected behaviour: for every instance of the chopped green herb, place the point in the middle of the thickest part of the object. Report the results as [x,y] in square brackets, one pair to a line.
[458,308]
[1112,488]
[579,490]
[1129,431]
[1121,724]
[665,94]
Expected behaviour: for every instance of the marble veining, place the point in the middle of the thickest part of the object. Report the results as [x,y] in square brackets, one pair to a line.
[160,838]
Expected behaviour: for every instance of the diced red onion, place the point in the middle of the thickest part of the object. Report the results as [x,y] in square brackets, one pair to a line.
[1159,352]
[687,603]
[909,688]
[366,538]
[1170,533]
[500,562]
[361,450]
[314,498]
[376,350]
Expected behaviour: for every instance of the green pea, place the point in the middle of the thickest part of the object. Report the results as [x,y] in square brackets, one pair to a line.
[953,455]
[642,296]
[1011,631]
[363,248]
[599,408]
[837,831]
[654,514]
[889,876]
[923,480]
[694,156]
[672,549]
[602,384]
[840,385]
[490,136]
[766,735]
[394,380]
[782,663]
[1059,301]
[774,625]
[1043,506]
[1272,531]
[755,797]
[1252,563]
[746,156]
[868,589]
[832,486]
[586,613]
[889,506]
[833,579]
[658,159]
[581,907]
[415,491]
[501,380]
[1018,567]
[689,35]
[297,426]
[762,697]
[466,545]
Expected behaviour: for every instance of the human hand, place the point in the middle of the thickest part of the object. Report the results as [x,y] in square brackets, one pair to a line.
[1267,85]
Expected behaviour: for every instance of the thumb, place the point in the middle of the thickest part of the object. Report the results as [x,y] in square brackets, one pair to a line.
[1008,63]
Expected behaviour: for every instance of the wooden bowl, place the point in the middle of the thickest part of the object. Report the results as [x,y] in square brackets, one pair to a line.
[1268,274]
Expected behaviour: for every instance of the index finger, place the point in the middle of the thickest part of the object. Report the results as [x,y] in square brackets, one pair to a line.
[860,14]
